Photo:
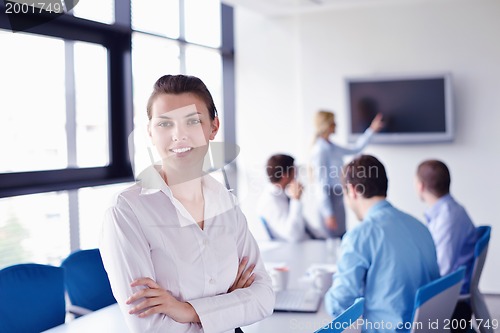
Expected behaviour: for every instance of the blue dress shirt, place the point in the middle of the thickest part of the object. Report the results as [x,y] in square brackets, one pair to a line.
[385,259]
[454,235]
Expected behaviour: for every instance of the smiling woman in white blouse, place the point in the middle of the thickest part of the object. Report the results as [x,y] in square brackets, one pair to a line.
[175,245]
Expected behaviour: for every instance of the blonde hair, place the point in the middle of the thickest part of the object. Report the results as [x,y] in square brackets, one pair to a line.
[323,121]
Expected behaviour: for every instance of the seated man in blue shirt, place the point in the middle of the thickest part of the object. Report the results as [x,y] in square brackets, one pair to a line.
[451,228]
[385,259]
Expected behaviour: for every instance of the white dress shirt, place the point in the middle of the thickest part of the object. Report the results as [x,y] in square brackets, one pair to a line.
[149,233]
[283,215]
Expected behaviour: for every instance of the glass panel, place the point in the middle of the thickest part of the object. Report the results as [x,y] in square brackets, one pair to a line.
[91,90]
[207,65]
[34,228]
[96,10]
[202,22]
[152,57]
[33,115]
[156,16]
[93,203]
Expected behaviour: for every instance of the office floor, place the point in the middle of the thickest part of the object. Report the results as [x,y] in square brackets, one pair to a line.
[493,302]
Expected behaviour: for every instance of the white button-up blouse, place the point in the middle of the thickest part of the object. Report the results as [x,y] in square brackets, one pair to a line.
[149,233]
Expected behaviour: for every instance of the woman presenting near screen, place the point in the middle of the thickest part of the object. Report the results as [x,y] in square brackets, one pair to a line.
[175,245]
[326,162]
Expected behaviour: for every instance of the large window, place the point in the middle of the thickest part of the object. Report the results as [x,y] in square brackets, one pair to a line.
[33,108]
[202,22]
[96,10]
[93,202]
[91,101]
[157,17]
[66,104]
[34,228]
[73,90]
[41,127]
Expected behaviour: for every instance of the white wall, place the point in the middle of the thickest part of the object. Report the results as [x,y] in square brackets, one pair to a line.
[289,67]
[267,95]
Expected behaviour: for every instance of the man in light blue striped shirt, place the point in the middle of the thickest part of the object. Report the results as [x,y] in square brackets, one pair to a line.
[451,228]
[385,259]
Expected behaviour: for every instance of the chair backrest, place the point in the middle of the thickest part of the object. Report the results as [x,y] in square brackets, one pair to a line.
[348,321]
[268,230]
[480,252]
[86,280]
[31,298]
[435,301]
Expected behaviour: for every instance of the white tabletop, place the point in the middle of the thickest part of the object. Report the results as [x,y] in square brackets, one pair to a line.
[108,320]
[298,258]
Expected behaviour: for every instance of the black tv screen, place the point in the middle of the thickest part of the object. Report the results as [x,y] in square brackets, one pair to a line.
[415,109]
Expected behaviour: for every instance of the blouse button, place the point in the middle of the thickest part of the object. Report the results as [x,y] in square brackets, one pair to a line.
[212,281]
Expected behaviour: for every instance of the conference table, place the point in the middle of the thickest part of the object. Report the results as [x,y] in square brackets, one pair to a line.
[106,320]
[298,257]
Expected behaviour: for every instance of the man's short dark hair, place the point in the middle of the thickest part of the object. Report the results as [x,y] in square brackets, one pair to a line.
[435,176]
[278,166]
[367,175]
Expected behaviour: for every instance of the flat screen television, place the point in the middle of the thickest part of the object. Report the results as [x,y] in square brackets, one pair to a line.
[416,108]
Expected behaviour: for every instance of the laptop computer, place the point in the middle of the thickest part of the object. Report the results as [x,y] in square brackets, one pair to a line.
[297,300]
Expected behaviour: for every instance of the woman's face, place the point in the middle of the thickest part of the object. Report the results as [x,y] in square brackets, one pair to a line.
[180,128]
[332,127]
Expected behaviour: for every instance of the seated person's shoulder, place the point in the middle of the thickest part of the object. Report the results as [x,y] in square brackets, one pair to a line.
[365,230]
[452,210]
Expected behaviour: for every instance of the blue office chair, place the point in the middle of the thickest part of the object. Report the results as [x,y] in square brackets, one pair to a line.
[86,282]
[347,321]
[31,298]
[436,301]
[474,296]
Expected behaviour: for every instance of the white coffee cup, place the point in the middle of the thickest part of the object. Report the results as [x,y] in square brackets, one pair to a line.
[279,277]
[322,279]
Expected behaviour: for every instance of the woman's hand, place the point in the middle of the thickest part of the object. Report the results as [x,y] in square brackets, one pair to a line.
[331,223]
[377,123]
[244,278]
[154,299]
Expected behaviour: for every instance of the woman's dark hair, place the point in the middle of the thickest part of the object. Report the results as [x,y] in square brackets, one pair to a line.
[435,176]
[179,84]
[278,166]
[367,175]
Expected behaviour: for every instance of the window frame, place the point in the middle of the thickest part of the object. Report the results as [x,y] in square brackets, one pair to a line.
[116,38]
